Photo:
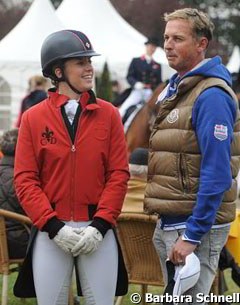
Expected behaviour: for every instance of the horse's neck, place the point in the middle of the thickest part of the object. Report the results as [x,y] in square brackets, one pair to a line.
[152,101]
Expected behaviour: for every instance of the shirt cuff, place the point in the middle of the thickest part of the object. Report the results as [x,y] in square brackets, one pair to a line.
[101,225]
[190,240]
[52,226]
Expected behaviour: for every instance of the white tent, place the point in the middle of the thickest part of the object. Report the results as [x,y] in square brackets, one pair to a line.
[234,61]
[20,54]
[110,34]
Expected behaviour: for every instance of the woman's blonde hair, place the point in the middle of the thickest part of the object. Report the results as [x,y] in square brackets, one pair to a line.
[37,81]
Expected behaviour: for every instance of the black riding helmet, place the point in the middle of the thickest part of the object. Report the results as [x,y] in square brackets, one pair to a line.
[63,45]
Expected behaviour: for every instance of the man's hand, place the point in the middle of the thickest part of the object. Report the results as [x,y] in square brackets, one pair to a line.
[89,240]
[180,250]
[67,238]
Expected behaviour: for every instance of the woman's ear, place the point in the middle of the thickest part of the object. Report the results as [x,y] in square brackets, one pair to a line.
[58,72]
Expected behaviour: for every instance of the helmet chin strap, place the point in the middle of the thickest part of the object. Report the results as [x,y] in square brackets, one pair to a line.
[71,86]
[64,78]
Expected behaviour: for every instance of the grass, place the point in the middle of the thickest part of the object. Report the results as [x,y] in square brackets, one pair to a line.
[232,287]
[12,300]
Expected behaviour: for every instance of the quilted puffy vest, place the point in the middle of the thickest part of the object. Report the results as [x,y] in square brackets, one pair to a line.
[171,189]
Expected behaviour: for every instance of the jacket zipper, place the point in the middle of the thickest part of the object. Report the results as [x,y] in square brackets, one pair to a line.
[73,150]
[73,157]
[72,189]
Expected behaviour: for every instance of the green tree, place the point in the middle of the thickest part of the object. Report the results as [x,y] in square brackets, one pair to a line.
[104,85]
[12,11]
[56,3]
[147,17]
[11,14]
[226,18]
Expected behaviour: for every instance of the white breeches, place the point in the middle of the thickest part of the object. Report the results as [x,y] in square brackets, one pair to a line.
[53,268]
[135,97]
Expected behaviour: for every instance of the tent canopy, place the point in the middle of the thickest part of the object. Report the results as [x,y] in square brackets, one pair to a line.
[23,42]
[20,54]
[110,34]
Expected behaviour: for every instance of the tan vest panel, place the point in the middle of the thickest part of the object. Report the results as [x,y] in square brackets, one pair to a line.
[172,188]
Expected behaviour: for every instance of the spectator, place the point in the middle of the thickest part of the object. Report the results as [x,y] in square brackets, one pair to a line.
[138,161]
[17,234]
[37,93]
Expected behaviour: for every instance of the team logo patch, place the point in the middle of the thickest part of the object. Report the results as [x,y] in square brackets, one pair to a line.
[173,116]
[48,137]
[87,45]
[220,132]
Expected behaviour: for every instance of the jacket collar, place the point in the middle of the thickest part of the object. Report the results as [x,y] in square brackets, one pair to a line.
[147,58]
[88,100]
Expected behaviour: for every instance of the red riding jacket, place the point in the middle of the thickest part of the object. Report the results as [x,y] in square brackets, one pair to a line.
[55,177]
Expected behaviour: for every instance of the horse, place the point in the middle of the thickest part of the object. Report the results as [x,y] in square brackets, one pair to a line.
[139,131]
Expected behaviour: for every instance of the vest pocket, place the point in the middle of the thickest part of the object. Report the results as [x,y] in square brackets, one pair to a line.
[182,174]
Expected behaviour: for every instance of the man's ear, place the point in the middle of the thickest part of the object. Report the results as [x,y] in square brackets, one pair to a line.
[203,44]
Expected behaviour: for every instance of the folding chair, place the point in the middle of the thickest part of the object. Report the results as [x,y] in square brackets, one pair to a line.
[6,264]
[135,233]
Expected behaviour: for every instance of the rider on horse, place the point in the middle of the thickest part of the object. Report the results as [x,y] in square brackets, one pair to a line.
[144,74]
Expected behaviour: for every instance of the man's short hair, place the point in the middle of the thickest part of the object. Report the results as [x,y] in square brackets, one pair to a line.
[201,23]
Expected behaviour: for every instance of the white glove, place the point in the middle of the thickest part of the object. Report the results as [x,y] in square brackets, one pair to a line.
[67,237]
[138,85]
[89,240]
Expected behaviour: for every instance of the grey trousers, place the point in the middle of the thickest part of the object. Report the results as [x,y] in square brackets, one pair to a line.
[208,253]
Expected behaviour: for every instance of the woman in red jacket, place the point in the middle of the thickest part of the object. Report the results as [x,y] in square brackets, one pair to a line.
[71,174]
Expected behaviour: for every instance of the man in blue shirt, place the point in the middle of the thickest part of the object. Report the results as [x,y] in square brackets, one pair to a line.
[194,151]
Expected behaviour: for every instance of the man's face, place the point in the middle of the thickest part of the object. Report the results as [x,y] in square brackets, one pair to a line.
[183,50]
